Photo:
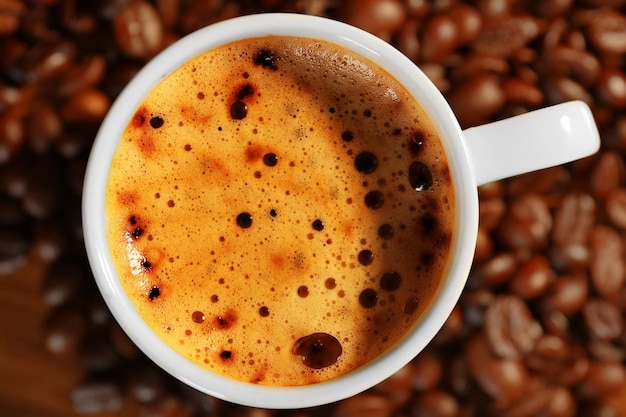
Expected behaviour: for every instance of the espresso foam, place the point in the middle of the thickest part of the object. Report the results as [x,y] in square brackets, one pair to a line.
[280,210]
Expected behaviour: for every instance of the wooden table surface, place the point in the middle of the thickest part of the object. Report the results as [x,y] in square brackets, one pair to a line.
[33,381]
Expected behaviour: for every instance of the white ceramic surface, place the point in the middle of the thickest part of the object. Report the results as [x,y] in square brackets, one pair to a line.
[476,156]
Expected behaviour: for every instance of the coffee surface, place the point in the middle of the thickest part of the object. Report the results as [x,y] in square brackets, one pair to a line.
[280,210]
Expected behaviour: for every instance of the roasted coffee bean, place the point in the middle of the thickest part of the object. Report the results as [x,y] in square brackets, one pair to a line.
[558,361]
[523,92]
[86,107]
[169,11]
[451,329]
[434,403]
[603,319]
[490,212]
[87,74]
[100,395]
[574,219]
[47,60]
[568,294]
[380,17]
[439,38]
[484,246]
[427,370]
[138,29]
[607,31]
[605,350]
[552,8]
[533,278]
[603,377]
[505,379]
[474,303]
[12,131]
[574,63]
[11,11]
[616,207]
[559,89]
[504,37]
[458,377]
[494,272]
[44,126]
[407,41]
[608,267]
[607,174]
[467,20]
[527,223]
[64,330]
[367,404]
[476,99]
[543,182]
[398,387]
[510,328]
[572,257]
[611,89]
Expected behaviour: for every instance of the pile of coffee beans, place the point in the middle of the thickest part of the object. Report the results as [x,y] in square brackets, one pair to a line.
[540,328]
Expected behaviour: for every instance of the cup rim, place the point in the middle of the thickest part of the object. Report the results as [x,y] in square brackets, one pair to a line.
[463,240]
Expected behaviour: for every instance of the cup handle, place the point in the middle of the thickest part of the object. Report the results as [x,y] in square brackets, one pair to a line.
[539,139]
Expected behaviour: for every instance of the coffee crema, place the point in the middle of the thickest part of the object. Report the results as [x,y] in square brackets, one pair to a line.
[279,210]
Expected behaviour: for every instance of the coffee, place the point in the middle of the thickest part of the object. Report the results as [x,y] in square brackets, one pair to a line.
[280,210]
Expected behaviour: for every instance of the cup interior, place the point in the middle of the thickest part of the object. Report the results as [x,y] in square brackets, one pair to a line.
[463,240]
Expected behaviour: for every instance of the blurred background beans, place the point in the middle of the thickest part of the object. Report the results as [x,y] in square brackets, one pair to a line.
[540,328]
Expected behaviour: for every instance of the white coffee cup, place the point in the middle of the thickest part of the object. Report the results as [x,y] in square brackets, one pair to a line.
[476,156]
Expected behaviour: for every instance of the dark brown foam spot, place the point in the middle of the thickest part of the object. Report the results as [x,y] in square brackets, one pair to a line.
[386,231]
[226,355]
[244,220]
[273,213]
[264,311]
[318,350]
[318,225]
[374,200]
[154,293]
[347,136]
[368,298]
[253,153]
[270,159]
[366,257]
[226,320]
[410,306]
[266,59]
[390,281]
[139,119]
[415,143]
[137,232]
[238,110]
[366,162]
[198,317]
[429,223]
[330,283]
[303,291]
[245,91]
[156,122]
[420,176]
